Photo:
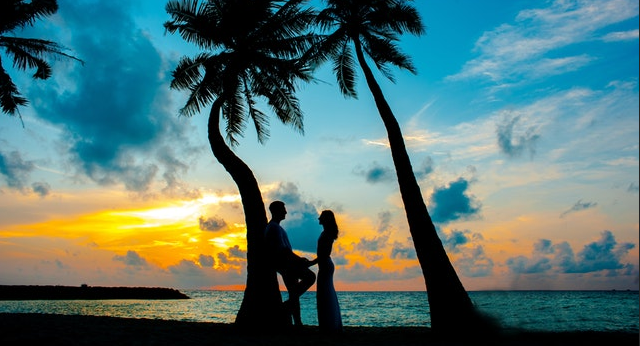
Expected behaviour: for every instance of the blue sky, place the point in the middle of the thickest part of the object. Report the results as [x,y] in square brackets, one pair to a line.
[521,124]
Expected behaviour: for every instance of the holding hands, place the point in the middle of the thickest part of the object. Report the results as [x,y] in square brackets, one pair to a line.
[312,262]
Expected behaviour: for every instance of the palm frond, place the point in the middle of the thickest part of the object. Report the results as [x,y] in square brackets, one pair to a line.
[327,19]
[344,67]
[287,31]
[18,13]
[26,53]
[233,111]
[286,106]
[189,71]
[399,17]
[201,94]
[10,98]
[30,53]
[260,119]
[278,89]
[325,47]
[192,21]
[23,61]
[377,25]
[255,52]
[384,51]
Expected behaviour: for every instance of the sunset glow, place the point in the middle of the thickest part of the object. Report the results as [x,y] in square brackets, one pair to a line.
[521,125]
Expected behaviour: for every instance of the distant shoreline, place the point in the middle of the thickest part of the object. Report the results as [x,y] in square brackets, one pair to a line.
[85,292]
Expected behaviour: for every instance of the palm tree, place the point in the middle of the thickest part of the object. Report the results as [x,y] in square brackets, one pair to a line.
[250,54]
[26,53]
[371,28]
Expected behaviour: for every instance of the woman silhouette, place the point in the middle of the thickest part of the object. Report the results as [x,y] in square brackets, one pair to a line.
[329,318]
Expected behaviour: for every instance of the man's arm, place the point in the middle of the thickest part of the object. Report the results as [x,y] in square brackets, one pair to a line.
[275,240]
[279,242]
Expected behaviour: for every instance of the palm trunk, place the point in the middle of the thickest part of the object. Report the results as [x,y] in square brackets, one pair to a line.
[449,303]
[262,293]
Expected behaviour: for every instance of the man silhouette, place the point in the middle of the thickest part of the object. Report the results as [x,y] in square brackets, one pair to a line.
[295,272]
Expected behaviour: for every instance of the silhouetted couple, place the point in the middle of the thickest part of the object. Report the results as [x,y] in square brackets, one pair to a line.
[295,272]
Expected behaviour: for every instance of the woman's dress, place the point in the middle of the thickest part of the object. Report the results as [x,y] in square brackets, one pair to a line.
[329,318]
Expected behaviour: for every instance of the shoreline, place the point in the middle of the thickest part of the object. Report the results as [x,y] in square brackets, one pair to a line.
[51,292]
[52,329]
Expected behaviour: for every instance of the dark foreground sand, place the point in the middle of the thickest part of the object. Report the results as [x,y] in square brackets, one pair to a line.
[46,329]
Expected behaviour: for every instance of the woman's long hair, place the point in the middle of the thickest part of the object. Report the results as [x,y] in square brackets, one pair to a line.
[328,220]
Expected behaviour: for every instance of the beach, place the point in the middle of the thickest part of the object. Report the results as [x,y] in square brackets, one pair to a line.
[52,329]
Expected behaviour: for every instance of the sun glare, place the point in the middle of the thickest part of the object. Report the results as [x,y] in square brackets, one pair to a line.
[222,242]
[184,211]
[170,214]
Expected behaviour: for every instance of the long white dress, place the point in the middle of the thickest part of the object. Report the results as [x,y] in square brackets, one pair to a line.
[329,318]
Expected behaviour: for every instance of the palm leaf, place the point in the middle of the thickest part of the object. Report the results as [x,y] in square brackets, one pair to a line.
[255,49]
[28,53]
[260,119]
[10,98]
[18,13]
[189,71]
[192,20]
[25,53]
[383,52]
[201,94]
[344,67]
[376,24]
[234,113]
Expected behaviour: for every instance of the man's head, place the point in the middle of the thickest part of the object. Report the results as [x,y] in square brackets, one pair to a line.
[278,210]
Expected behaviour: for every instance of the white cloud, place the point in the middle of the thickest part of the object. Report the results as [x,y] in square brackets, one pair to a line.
[517,50]
[621,36]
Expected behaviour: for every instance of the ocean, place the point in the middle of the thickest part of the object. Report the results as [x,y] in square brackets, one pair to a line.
[530,310]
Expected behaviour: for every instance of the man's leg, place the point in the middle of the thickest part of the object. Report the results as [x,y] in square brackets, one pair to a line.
[292,305]
[307,279]
[297,283]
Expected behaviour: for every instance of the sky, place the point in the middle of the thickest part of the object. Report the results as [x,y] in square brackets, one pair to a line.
[521,124]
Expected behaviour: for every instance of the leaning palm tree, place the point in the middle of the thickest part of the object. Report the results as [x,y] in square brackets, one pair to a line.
[250,54]
[371,28]
[26,53]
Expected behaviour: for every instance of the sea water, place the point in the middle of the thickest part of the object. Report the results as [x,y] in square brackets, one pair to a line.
[531,310]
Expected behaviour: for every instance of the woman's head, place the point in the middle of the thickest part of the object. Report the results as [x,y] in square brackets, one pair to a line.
[328,221]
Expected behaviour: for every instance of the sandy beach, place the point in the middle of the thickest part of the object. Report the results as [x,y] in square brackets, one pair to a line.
[48,329]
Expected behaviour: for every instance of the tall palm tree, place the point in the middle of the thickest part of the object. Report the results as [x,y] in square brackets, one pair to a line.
[371,28]
[26,53]
[250,54]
